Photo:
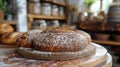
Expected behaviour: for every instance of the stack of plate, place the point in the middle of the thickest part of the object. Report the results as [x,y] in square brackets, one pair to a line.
[114,12]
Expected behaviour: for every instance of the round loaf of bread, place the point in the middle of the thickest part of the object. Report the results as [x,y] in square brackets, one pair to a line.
[25,39]
[5,28]
[61,40]
[9,38]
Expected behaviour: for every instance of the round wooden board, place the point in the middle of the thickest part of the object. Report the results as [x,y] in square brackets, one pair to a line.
[99,57]
[34,54]
[91,61]
[7,49]
[109,61]
[2,46]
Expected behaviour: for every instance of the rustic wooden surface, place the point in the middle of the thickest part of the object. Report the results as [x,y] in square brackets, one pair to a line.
[109,61]
[57,2]
[9,22]
[34,54]
[12,60]
[7,49]
[2,46]
[107,42]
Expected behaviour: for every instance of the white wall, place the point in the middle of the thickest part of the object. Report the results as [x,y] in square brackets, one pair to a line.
[105,6]
[81,5]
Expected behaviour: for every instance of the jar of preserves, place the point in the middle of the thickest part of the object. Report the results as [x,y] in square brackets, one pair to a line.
[55,23]
[55,10]
[37,8]
[39,24]
[46,9]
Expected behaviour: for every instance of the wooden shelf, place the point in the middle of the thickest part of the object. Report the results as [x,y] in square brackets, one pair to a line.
[110,27]
[9,22]
[111,43]
[46,17]
[31,17]
[56,3]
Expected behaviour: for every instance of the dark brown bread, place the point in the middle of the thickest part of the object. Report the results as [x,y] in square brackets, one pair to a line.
[55,40]
[61,40]
[25,40]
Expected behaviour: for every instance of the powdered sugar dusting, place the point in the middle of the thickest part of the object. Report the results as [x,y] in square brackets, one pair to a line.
[32,34]
[63,40]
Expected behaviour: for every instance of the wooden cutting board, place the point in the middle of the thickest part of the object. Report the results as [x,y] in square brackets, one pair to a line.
[34,54]
[107,62]
[90,61]
[2,46]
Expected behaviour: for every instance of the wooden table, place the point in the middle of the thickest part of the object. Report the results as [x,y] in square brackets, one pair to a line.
[99,59]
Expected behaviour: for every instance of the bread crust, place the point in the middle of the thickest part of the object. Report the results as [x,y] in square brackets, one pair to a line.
[5,28]
[9,38]
[25,39]
[55,40]
[61,40]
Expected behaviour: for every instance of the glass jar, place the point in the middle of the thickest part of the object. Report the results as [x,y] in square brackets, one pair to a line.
[39,24]
[83,16]
[55,23]
[46,9]
[35,24]
[37,8]
[61,11]
[93,17]
[55,10]
[43,24]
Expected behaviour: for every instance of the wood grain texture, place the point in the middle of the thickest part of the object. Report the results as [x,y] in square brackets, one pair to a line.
[34,54]
[7,49]
[2,46]
[109,61]
[36,16]
[107,42]
[9,22]
[91,61]
[56,3]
